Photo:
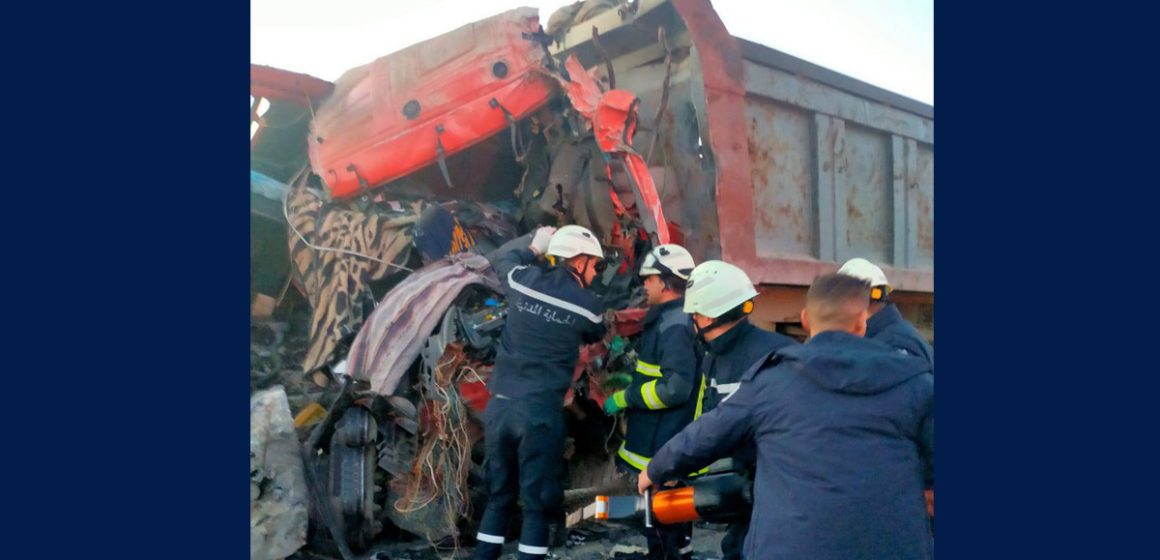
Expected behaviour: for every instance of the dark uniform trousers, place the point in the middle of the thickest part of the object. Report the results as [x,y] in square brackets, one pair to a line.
[525,448]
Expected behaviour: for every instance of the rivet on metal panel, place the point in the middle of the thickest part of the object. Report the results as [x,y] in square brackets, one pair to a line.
[499,69]
[411,109]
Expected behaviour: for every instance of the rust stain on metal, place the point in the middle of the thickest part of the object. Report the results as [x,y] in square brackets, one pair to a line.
[852,211]
[925,224]
[923,190]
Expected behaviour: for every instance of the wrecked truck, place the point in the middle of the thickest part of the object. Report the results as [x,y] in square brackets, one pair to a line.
[375,197]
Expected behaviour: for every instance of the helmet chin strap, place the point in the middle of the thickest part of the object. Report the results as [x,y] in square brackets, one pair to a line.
[729,317]
[701,331]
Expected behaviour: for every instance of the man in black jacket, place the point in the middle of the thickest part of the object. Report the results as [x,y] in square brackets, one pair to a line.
[844,429]
[551,312]
[660,400]
[886,323]
[720,297]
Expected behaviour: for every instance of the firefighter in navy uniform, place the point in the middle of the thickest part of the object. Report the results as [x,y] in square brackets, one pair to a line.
[660,401]
[720,297]
[551,312]
[844,431]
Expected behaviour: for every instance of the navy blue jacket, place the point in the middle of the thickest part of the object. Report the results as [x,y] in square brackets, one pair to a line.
[844,429]
[889,327]
[661,398]
[730,355]
[549,317]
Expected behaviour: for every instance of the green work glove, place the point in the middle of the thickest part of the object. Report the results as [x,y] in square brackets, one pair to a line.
[618,380]
[615,403]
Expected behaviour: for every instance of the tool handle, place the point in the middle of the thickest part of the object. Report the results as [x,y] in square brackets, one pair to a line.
[648,513]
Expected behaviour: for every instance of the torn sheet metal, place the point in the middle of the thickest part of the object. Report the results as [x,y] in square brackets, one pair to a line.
[613,117]
[427,102]
[396,332]
[278,493]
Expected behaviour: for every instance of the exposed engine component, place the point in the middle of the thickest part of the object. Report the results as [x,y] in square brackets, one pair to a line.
[396,449]
[482,324]
[353,460]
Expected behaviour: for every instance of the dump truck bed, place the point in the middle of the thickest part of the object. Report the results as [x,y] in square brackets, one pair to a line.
[771,162]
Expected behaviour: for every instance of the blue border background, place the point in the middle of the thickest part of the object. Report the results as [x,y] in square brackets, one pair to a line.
[128,308]
[1043,231]
[125,282]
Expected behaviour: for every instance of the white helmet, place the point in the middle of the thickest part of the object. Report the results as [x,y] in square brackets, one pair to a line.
[864,270]
[668,259]
[715,287]
[573,240]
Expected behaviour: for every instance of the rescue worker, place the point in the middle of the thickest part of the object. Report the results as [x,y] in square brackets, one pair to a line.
[843,427]
[660,400]
[720,298]
[551,312]
[886,323]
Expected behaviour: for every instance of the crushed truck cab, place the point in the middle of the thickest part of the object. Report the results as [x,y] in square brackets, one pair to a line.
[375,196]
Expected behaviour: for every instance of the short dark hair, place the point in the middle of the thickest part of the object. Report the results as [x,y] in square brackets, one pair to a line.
[837,298]
[675,283]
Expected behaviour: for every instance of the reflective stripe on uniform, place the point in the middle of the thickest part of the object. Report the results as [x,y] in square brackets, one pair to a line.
[551,300]
[652,400]
[700,399]
[651,370]
[484,537]
[529,549]
[639,462]
[697,414]
[727,390]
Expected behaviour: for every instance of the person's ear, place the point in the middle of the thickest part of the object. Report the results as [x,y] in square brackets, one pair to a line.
[860,322]
[805,320]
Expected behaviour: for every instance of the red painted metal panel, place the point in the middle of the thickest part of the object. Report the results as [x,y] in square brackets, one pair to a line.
[384,119]
[613,116]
